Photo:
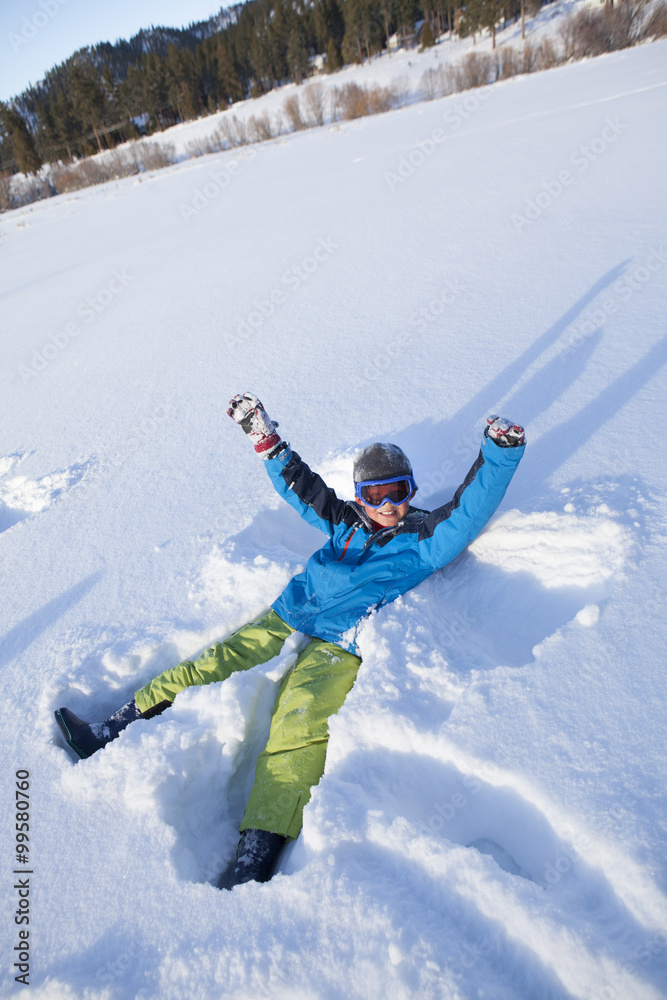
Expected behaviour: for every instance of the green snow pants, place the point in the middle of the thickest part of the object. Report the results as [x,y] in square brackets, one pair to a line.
[315,688]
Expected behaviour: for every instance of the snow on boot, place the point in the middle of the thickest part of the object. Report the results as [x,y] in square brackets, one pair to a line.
[85,738]
[256,859]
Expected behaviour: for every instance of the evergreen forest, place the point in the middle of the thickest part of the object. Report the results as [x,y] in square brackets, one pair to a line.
[107,94]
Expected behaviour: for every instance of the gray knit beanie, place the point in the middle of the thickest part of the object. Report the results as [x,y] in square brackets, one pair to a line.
[381,461]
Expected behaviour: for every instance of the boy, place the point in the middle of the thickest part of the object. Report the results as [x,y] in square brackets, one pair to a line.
[378,548]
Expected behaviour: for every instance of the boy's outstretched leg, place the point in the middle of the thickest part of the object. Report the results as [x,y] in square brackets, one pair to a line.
[86,738]
[254,643]
[293,760]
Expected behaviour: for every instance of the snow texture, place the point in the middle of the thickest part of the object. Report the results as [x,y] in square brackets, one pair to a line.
[491,819]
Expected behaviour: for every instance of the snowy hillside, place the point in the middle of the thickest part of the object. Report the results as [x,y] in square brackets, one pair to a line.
[491,822]
[403,71]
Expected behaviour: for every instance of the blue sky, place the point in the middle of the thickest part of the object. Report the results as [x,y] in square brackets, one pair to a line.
[37,34]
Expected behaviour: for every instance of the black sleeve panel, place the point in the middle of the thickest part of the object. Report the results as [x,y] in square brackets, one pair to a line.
[313,491]
[435,517]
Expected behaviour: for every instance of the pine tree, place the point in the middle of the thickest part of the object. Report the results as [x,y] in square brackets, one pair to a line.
[229,83]
[68,130]
[406,18]
[279,30]
[182,77]
[360,20]
[156,88]
[23,144]
[260,55]
[334,60]
[329,25]
[88,99]
[387,12]
[488,14]
[427,40]
[297,54]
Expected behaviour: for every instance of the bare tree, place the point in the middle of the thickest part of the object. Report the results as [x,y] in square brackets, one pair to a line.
[314,101]
[292,108]
[259,128]
[155,155]
[233,131]
[6,200]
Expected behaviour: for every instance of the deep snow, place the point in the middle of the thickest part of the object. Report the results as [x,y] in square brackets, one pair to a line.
[491,820]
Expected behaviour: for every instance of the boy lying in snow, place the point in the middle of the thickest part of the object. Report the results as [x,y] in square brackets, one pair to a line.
[378,548]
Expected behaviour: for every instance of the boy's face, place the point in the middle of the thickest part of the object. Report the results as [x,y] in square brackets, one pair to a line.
[389,514]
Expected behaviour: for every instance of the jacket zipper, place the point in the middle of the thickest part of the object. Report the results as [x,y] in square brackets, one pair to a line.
[347,542]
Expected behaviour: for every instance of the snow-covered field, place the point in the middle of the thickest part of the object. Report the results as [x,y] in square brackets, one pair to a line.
[491,822]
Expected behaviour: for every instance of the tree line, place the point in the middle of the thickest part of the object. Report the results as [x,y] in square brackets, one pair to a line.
[107,94]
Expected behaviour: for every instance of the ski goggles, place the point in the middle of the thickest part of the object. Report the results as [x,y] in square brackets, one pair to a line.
[376,492]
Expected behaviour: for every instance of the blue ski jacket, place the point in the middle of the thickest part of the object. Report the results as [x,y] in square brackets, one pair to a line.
[360,568]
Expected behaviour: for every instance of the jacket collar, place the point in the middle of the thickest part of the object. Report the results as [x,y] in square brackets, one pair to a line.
[377,534]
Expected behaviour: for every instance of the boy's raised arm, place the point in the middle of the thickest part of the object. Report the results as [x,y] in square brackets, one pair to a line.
[296,483]
[450,528]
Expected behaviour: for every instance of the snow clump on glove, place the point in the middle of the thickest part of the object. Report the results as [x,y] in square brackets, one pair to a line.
[504,432]
[246,409]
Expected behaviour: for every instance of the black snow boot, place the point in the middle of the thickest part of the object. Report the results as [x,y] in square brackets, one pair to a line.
[85,738]
[256,859]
